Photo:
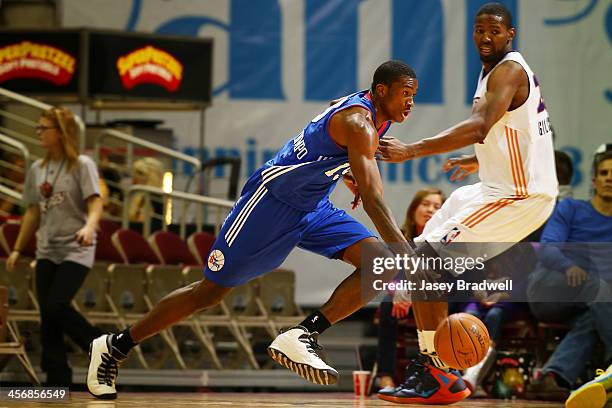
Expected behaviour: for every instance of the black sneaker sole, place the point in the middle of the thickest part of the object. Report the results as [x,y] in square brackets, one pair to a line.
[309,373]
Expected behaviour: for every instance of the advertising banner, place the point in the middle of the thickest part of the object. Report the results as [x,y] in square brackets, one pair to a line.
[41,62]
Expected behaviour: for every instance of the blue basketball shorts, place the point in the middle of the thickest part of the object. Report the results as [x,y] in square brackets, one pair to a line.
[260,231]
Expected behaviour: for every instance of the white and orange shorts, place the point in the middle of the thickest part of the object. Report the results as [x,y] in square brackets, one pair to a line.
[473,215]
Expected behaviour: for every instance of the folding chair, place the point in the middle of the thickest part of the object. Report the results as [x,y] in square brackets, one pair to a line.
[277,296]
[10,341]
[239,301]
[20,282]
[91,300]
[165,278]
[200,244]
[128,290]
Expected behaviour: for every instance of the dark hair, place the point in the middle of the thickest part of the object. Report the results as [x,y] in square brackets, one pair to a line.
[564,167]
[599,158]
[409,228]
[390,71]
[497,9]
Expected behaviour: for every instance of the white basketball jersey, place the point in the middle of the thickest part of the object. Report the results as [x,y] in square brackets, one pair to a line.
[517,157]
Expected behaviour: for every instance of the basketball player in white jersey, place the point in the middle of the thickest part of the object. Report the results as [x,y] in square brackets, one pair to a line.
[510,131]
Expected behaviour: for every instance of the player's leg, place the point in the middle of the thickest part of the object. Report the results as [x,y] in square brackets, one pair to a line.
[482,223]
[108,351]
[428,379]
[356,290]
[242,251]
[477,219]
[333,234]
[427,316]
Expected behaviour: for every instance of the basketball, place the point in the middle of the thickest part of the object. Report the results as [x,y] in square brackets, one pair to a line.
[461,340]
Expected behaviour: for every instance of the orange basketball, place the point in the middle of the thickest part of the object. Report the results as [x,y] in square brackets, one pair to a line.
[461,340]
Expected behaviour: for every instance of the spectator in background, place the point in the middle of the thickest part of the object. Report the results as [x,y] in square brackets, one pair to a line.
[149,172]
[63,206]
[565,172]
[422,207]
[491,308]
[110,186]
[574,271]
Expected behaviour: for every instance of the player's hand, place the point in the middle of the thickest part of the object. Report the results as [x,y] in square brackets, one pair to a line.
[11,261]
[85,236]
[494,298]
[576,276]
[392,150]
[464,166]
[400,309]
[351,184]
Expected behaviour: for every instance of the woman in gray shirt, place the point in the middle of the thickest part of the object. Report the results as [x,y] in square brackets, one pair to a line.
[63,207]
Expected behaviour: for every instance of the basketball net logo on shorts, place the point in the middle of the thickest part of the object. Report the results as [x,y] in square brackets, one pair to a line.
[450,236]
[216,260]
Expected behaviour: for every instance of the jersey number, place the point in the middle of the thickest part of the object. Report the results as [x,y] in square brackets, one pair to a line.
[338,171]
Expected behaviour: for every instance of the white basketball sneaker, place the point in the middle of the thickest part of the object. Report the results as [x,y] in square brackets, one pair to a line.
[104,361]
[296,349]
[473,376]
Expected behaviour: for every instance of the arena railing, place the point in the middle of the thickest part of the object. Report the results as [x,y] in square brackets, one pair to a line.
[186,199]
[132,141]
[24,122]
[9,189]
[110,137]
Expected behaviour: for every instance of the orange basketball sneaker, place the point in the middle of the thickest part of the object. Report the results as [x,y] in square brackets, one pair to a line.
[427,384]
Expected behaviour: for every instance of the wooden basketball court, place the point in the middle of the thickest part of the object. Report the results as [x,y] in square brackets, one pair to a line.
[190,399]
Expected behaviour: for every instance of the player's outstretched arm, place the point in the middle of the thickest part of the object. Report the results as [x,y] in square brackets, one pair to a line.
[502,87]
[355,130]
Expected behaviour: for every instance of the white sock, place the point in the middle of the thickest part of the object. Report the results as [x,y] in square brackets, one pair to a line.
[422,344]
[426,345]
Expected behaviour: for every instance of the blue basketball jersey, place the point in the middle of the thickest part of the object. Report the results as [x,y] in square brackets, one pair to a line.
[305,171]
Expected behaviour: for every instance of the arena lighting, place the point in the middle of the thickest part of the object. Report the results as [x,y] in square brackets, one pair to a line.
[167,187]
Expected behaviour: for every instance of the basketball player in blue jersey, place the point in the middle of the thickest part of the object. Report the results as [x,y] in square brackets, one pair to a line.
[285,204]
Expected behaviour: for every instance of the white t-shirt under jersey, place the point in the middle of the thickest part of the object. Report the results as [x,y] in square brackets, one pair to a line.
[517,157]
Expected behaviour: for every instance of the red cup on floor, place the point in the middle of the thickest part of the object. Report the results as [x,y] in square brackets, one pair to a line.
[361,380]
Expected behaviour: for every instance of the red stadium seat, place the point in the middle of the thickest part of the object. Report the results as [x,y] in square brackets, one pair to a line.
[133,247]
[105,250]
[8,237]
[171,249]
[200,244]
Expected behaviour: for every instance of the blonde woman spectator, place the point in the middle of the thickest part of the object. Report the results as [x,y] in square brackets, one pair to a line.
[63,206]
[148,172]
